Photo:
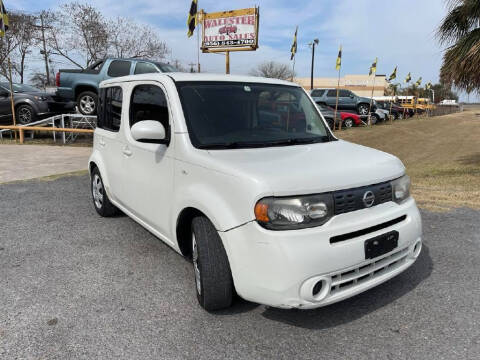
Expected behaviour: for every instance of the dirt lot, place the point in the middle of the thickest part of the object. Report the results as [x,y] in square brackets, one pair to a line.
[442,156]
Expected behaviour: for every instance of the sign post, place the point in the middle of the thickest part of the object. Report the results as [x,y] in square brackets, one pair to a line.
[227,31]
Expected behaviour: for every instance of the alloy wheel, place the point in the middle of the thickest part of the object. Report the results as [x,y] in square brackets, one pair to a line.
[97,191]
[87,104]
[196,267]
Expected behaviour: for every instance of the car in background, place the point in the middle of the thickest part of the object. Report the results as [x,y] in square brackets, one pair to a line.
[396,110]
[347,100]
[329,114]
[381,114]
[30,103]
[350,119]
[346,119]
[81,85]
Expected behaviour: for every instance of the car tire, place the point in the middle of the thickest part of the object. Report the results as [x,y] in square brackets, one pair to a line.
[348,123]
[213,277]
[25,114]
[362,109]
[399,116]
[99,196]
[87,103]
[375,119]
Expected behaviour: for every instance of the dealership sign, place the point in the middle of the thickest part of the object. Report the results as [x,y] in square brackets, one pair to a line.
[230,30]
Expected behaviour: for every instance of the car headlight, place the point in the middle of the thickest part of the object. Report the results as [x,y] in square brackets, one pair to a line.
[401,189]
[288,213]
[41,98]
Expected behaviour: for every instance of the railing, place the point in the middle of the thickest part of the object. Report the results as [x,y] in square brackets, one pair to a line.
[66,122]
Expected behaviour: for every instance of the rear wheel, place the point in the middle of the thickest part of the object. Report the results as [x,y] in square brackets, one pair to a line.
[87,103]
[374,118]
[213,278]
[25,114]
[100,198]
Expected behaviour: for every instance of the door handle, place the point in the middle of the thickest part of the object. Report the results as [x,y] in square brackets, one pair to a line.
[127,152]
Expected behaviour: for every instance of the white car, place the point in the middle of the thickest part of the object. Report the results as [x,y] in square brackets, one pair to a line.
[242,175]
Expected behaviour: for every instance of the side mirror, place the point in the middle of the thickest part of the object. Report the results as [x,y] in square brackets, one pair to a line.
[148,131]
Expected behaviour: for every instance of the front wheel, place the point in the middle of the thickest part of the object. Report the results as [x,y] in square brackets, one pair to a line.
[363,109]
[348,123]
[87,103]
[213,277]
[374,119]
[25,114]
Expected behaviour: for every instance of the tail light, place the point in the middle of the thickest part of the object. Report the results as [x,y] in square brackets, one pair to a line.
[57,79]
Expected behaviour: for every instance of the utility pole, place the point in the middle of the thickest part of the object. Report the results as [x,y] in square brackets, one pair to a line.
[315,42]
[44,51]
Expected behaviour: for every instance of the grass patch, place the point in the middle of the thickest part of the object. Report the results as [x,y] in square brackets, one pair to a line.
[51,177]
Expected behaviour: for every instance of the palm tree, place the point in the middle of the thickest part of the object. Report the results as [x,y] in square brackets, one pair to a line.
[460,31]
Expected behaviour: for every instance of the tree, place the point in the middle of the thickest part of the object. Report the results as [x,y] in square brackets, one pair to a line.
[25,34]
[78,33]
[127,39]
[272,69]
[460,31]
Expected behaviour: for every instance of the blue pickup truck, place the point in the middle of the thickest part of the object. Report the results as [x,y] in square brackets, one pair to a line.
[81,85]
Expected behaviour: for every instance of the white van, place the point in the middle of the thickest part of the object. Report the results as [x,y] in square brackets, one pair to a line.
[243,176]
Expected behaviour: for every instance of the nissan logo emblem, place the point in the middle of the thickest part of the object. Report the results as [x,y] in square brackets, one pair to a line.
[368,199]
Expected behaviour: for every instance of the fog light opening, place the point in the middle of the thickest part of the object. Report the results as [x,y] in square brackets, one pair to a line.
[417,248]
[317,288]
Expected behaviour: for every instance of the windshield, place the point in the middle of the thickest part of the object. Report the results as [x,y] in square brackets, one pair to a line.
[21,88]
[223,115]
[167,68]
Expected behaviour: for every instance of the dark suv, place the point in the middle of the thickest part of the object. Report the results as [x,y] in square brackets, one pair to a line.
[347,100]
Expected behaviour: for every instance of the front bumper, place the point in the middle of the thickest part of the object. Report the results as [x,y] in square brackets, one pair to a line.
[280,268]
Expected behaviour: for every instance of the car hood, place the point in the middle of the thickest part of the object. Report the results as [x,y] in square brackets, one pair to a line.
[303,169]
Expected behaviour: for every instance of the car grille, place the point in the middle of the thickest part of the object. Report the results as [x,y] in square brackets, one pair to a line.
[352,199]
[342,281]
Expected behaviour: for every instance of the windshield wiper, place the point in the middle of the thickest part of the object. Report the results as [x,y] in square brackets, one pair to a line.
[257,144]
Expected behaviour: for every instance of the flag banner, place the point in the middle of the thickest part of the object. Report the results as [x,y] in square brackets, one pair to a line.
[192,18]
[419,81]
[293,50]
[373,68]
[3,19]
[338,65]
[408,78]
[428,86]
[394,74]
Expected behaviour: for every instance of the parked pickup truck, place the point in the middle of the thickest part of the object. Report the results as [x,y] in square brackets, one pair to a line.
[242,176]
[347,100]
[81,85]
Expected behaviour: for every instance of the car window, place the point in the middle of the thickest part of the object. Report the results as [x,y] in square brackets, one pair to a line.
[223,115]
[110,108]
[318,93]
[344,93]
[332,93]
[145,68]
[148,102]
[119,68]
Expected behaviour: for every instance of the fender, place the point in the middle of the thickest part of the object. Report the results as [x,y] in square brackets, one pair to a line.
[96,158]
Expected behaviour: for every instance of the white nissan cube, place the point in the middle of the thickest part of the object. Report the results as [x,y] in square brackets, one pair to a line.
[242,175]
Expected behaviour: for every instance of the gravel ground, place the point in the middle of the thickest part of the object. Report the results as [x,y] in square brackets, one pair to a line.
[74,285]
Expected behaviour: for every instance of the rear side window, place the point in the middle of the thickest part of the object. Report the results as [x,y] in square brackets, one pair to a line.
[145,68]
[332,93]
[148,102]
[318,93]
[344,93]
[110,108]
[119,68]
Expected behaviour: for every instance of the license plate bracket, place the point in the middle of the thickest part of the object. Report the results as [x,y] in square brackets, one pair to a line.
[381,244]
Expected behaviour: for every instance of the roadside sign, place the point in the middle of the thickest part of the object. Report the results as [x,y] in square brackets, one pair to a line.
[235,30]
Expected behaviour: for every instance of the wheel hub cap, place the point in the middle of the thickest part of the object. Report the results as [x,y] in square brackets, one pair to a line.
[97,191]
